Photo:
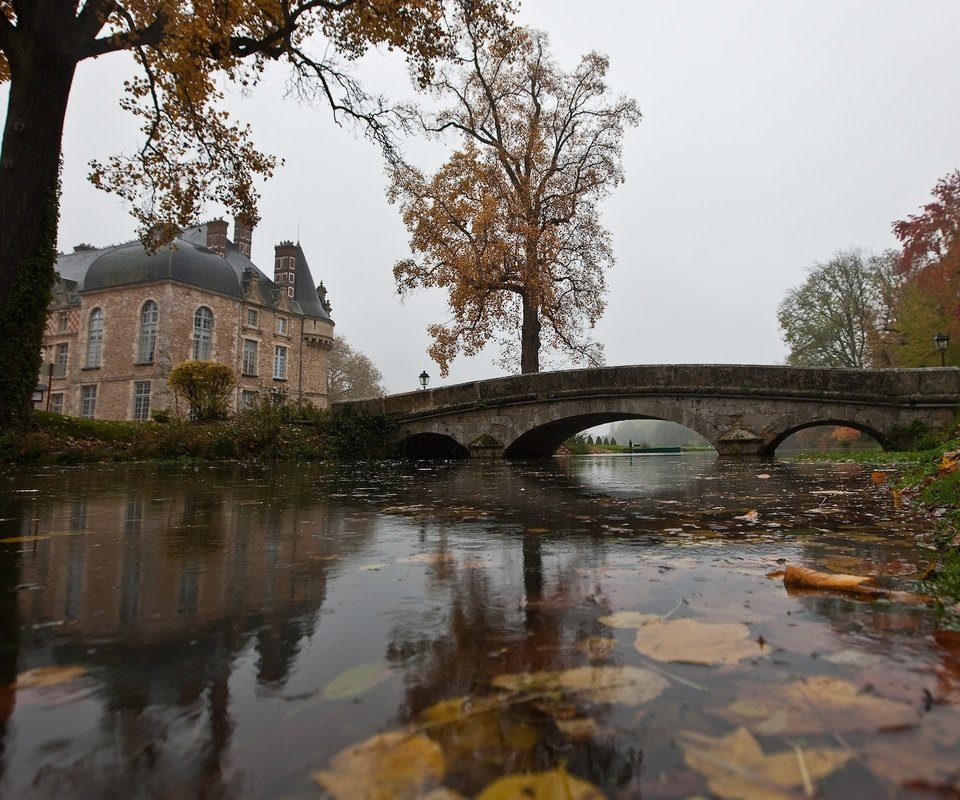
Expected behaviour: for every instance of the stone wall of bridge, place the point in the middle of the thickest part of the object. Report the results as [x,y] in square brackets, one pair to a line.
[740,410]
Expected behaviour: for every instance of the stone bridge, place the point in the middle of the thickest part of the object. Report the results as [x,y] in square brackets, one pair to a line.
[740,410]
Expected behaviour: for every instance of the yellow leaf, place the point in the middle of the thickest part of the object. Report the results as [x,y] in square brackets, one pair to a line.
[627,685]
[596,648]
[692,642]
[736,767]
[816,705]
[389,766]
[39,677]
[553,785]
[629,619]
[356,680]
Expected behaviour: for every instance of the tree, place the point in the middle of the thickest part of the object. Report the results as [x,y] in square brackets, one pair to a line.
[351,375]
[192,153]
[930,266]
[509,225]
[205,386]
[832,318]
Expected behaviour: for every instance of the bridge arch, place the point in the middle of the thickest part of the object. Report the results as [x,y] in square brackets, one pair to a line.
[432,445]
[845,421]
[548,428]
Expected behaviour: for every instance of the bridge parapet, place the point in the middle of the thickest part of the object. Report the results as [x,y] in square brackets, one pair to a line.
[739,408]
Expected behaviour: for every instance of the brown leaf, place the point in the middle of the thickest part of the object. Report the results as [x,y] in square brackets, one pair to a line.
[805,578]
[39,677]
[692,642]
[815,705]
[385,767]
[736,767]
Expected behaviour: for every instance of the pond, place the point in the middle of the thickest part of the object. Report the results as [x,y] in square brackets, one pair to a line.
[600,627]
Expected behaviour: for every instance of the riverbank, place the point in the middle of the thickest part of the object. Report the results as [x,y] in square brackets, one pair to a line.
[278,432]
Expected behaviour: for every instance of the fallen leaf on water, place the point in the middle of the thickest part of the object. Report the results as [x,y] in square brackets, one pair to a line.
[479,730]
[736,767]
[385,767]
[628,685]
[815,705]
[596,648]
[796,577]
[538,530]
[750,516]
[356,680]
[557,783]
[763,476]
[691,642]
[39,677]
[926,755]
[371,567]
[629,619]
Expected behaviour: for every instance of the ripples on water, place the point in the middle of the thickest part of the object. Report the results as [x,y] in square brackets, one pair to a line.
[225,632]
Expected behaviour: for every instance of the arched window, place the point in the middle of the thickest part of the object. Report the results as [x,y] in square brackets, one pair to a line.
[202,333]
[95,338]
[149,322]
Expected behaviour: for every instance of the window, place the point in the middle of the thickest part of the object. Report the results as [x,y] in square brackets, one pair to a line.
[149,321]
[251,318]
[289,291]
[202,333]
[141,400]
[280,363]
[281,325]
[63,318]
[61,354]
[247,398]
[56,403]
[95,338]
[88,401]
[249,357]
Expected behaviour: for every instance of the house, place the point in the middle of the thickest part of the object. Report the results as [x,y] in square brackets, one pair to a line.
[121,318]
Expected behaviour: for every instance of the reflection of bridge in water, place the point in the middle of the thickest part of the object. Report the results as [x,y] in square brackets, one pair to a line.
[739,409]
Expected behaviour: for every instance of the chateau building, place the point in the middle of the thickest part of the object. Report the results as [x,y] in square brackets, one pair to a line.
[121,318]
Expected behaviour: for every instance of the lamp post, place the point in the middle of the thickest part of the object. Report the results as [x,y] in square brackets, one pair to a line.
[424,379]
[941,340]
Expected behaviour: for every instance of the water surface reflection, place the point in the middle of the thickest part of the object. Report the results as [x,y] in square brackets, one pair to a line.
[208,611]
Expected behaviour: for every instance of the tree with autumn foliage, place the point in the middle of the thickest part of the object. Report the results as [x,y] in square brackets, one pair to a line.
[192,153]
[509,225]
[351,375]
[930,266]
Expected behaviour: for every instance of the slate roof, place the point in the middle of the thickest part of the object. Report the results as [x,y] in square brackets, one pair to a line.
[185,260]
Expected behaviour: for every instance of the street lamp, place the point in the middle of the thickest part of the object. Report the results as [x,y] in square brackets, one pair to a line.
[424,379]
[941,340]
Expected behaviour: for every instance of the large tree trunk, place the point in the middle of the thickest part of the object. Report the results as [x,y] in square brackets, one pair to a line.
[530,337]
[29,197]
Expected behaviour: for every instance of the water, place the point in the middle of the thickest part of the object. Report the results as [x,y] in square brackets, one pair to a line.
[226,632]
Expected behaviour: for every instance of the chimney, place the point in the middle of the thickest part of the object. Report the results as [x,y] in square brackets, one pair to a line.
[217,236]
[242,235]
[285,266]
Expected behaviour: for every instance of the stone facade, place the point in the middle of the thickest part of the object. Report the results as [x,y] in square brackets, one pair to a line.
[121,318]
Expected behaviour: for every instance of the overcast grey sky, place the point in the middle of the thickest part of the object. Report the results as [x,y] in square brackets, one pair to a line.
[775,132]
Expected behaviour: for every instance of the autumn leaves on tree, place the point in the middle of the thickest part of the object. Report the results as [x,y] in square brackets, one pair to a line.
[509,225]
[860,310]
[192,153]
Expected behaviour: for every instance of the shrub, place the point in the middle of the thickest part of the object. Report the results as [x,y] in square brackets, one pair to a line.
[205,386]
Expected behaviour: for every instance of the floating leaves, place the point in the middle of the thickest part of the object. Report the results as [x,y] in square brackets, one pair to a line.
[385,767]
[796,577]
[816,705]
[628,685]
[629,619]
[596,648]
[557,783]
[41,677]
[356,680]
[691,642]
[736,767]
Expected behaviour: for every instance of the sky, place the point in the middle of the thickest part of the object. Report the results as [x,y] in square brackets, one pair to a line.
[774,134]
